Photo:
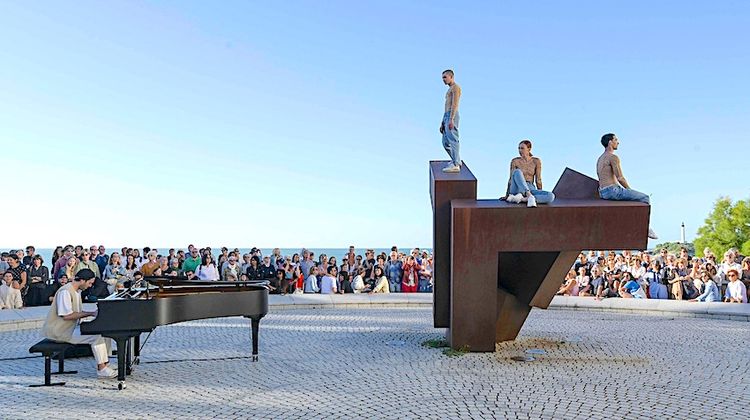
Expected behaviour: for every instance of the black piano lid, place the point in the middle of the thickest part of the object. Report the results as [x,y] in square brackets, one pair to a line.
[167,281]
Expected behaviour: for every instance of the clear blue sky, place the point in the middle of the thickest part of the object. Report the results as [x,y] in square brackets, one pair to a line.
[311,123]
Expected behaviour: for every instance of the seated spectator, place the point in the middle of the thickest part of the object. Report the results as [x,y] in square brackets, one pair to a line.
[710,290]
[38,282]
[344,284]
[746,271]
[630,288]
[298,278]
[328,282]
[54,287]
[358,283]
[114,273]
[597,279]
[69,269]
[584,286]
[657,289]
[10,297]
[736,290]
[311,282]
[149,267]
[609,287]
[381,281]
[570,287]
[676,281]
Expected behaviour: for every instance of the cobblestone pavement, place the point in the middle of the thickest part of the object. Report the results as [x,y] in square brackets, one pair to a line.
[369,363]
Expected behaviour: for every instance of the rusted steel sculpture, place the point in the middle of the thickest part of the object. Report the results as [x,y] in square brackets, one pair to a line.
[495,260]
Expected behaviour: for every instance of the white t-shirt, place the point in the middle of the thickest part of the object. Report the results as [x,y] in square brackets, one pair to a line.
[64,303]
[327,285]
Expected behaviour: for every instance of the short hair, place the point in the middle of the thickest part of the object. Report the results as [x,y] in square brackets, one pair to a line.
[449,71]
[733,270]
[607,138]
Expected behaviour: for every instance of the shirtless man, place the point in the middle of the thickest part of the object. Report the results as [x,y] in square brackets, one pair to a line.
[449,124]
[612,183]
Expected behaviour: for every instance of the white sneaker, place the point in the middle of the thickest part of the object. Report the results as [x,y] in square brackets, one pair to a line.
[511,198]
[531,202]
[652,234]
[452,169]
[106,373]
[517,198]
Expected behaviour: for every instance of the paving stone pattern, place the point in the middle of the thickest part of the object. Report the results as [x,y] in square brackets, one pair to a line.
[369,363]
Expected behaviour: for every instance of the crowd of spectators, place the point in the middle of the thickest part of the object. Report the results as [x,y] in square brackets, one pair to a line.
[663,275]
[29,281]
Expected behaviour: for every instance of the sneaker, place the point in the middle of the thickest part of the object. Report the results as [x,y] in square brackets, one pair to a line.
[452,169]
[652,234]
[106,373]
[511,198]
[517,198]
[531,202]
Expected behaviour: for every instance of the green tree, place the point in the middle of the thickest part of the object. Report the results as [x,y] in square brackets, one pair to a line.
[674,247]
[727,226]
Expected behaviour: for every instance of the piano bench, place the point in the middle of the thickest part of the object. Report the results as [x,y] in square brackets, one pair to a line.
[51,349]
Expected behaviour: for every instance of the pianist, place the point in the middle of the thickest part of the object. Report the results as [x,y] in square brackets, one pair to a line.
[63,318]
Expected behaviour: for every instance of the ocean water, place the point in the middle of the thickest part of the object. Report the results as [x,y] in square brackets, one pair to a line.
[339,253]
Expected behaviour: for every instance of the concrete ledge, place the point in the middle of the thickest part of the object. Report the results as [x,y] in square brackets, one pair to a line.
[719,310]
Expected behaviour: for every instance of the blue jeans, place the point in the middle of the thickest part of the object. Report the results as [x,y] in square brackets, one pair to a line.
[518,185]
[450,138]
[618,193]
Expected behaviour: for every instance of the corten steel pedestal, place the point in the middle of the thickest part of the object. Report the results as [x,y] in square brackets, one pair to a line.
[506,258]
[444,188]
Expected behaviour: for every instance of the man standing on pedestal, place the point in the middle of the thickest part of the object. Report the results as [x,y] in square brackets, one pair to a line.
[449,124]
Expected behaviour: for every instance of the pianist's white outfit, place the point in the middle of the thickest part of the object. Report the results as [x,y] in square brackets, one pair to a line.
[56,328]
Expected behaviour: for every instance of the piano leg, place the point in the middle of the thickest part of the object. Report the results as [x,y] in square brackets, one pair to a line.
[129,363]
[255,323]
[122,345]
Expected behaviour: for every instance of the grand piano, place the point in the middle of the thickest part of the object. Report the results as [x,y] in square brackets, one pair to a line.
[156,301]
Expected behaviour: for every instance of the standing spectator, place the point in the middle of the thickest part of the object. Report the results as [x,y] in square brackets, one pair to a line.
[306,264]
[254,272]
[18,273]
[410,278]
[10,296]
[39,278]
[369,264]
[56,254]
[99,257]
[62,261]
[192,262]
[267,270]
[425,275]
[677,281]
[87,263]
[736,290]
[27,259]
[394,271]
[207,269]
